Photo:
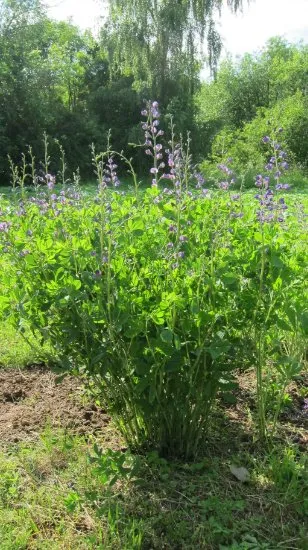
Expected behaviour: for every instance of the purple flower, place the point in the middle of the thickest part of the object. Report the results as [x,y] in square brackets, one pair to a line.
[183,238]
[97,274]
[172,228]
[154,170]
[266,139]
[282,186]
[24,253]
[4,227]
[224,185]
[181,254]
[170,245]
[144,112]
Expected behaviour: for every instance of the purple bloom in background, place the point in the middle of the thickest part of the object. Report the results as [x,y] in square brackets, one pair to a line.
[224,185]
[305,405]
[172,228]
[154,170]
[97,274]
[183,238]
[285,186]
[50,180]
[181,254]
[170,245]
[235,197]
[266,139]
[24,253]
[4,227]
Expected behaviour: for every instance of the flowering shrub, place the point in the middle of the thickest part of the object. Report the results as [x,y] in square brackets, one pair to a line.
[157,297]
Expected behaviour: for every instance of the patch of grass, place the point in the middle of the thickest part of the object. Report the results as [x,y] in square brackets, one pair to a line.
[14,350]
[53,497]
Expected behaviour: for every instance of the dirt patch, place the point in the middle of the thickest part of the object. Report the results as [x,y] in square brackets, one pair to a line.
[30,399]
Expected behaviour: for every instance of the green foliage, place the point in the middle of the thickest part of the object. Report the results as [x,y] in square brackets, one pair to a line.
[158,299]
[56,78]
[236,109]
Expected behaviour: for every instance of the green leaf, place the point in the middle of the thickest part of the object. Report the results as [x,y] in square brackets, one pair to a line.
[167,336]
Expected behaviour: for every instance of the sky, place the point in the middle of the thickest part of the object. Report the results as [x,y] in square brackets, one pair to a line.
[246,32]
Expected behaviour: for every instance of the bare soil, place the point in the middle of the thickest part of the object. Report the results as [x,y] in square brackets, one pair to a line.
[30,399]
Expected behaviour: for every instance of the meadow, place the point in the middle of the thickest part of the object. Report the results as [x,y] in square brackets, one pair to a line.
[153,352]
